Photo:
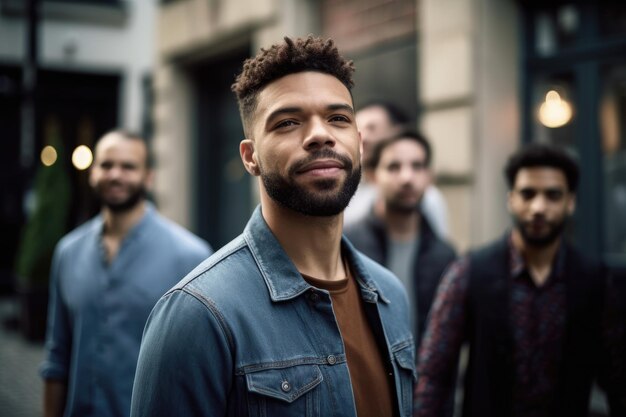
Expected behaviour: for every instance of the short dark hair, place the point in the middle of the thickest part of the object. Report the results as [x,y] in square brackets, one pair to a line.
[131,135]
[288,57]
[396,115]
[405,135]
[542,155]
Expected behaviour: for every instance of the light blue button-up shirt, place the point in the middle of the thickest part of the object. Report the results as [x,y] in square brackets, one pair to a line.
[245,335]
[97,311]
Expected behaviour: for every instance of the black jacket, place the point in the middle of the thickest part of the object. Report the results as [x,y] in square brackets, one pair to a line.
[489,378]
[434,255]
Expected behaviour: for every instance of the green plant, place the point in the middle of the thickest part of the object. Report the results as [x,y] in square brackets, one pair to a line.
[46,223]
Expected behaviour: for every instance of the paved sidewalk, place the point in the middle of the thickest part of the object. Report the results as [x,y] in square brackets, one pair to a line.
[20,386]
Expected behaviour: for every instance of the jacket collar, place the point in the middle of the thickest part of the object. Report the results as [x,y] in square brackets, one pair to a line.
[281,276]
[137,230]
[426,233]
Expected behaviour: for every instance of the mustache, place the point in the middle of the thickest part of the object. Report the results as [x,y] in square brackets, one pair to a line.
[325,153]
[112,182]
[538,219]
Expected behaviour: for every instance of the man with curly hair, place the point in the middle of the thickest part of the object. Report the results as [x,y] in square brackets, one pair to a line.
[288,319]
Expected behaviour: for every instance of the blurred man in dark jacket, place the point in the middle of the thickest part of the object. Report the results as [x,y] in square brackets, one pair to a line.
[400,237]
[531,307]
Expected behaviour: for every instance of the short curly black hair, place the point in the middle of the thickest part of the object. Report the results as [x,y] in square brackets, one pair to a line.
[289,57]
[541,155]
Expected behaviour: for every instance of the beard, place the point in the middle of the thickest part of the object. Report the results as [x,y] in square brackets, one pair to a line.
[399,207]
[321,202]
[136,194]
[397,204]
[555,230]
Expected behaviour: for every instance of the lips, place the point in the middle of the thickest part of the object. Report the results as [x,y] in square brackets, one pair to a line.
[114,188]
[320,166]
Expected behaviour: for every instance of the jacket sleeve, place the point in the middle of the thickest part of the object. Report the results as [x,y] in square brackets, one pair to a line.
[58,345]
[185,364]
[439,351]
[612,375]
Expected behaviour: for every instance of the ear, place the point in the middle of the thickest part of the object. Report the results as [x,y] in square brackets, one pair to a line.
[371,176]
[149,181]
[248,157]
[571,204]
[92,176]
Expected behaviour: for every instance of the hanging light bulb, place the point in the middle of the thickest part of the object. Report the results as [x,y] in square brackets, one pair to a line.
[554,112]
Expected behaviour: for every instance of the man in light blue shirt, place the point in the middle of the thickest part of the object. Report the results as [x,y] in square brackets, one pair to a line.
[106,276]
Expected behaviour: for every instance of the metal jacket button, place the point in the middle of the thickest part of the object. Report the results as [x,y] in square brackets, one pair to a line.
[285,386]
[331,359]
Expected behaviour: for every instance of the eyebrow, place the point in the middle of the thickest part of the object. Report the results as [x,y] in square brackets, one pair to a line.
[346,107]
[542,190]
[294,109]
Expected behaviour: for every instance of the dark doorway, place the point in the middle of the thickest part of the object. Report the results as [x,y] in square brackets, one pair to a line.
[387,72]
[223,188]
[81,106]
[11,178]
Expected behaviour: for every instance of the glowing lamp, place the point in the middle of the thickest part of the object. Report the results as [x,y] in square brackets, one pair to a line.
[554,112]
[48,155]
[82,157]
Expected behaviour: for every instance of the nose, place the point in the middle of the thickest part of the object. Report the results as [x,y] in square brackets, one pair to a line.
[406,174]
[538,204]
[113,172]
[318,135]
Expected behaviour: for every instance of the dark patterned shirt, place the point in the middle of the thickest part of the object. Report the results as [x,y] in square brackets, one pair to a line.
[538,326]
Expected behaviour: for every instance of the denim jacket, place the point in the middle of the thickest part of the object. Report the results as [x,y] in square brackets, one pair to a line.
[245,335]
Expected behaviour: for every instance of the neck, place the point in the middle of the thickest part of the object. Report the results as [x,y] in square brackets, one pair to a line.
[117,224]
[313,243]
[539,260]
[402,225]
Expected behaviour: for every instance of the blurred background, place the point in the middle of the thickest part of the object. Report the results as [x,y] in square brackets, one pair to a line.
[478,77]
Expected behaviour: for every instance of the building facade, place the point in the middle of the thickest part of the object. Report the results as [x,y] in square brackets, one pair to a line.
[472,73]
[439,61]
[94,60]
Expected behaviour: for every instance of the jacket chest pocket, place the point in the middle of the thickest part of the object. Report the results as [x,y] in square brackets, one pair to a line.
[284,392]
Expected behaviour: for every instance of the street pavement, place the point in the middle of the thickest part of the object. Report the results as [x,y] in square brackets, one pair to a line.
[20,386]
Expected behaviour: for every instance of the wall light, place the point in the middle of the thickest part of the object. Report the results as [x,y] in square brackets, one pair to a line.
[48,155]
[82,157]
[554,112]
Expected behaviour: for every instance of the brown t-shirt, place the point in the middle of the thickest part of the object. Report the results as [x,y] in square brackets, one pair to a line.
[371,384]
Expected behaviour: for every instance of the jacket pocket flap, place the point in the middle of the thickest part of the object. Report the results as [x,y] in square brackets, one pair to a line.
[285,384]
[405,358]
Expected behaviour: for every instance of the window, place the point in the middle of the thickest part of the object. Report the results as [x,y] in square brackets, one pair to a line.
[575,67]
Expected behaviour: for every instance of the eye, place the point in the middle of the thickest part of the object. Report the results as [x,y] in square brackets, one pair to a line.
[418,166]
[554,195]
[527,194]
[339,118]
[285,123]
[393,167]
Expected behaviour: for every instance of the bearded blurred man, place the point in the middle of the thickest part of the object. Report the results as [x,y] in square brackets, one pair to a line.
[106,276]
[531,307]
